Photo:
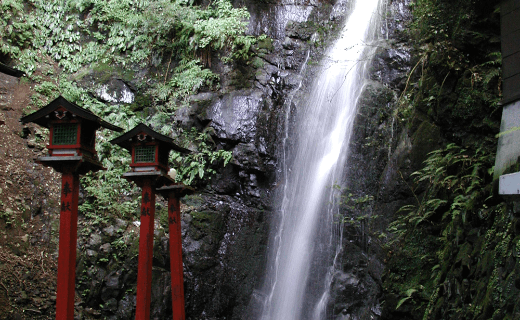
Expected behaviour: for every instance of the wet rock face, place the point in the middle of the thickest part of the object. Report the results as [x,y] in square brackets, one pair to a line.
[399,15]
[224,244]
[355,287]
[234,116]
[225,229]
[392,62]
[272,17]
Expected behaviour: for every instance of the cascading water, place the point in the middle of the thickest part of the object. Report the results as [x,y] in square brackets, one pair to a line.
[306,224]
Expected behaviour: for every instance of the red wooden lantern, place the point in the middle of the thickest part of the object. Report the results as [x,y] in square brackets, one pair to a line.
[71,152]
[150,151]
[72,137]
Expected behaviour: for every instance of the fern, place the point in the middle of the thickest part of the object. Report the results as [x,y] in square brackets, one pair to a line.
[455,194]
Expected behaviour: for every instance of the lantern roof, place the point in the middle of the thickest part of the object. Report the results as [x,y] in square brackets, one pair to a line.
[11,71]
[178,190]
[125,140]
[39,117]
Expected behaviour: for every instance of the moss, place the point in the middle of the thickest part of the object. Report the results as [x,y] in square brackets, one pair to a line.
[206,223]
[257,63]
[406,271]
[162,214]
[265,45]
[133,247]
[464,255]
[103,71]
[193,200]
[241,78]
[141,102]
[81,74]
[425,139]
[485,266]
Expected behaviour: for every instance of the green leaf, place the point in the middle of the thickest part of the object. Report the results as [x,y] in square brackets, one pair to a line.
[400,303]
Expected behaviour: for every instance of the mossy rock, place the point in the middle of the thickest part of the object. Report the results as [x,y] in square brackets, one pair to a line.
[265,45]
[141,102]
[207,223]
[133,247]
[510,292]
[257,63]
[486,264]
[193,200]
[464,255]
[425,139]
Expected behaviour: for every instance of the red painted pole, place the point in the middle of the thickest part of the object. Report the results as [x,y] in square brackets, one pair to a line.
[67,246]
[174,219]
[144,267]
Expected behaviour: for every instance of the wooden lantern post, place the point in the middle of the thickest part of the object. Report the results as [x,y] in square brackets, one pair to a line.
[71,151]
[150,151]
[173,193]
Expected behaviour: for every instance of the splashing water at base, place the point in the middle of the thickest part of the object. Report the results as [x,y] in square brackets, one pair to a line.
[324,123]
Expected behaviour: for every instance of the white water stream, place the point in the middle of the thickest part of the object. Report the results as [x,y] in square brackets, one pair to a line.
[322,134]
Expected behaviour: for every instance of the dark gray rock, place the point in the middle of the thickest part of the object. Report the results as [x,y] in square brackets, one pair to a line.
[234,115]
[223,250]
[91,255]
[110,231]
[161,294]
[227,181]
[105,249]
[111,305]
[112,281]
[120,224]
[126,307]
[95,240]
[272,18]
[245,155]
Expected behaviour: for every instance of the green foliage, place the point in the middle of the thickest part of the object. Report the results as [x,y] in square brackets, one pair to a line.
[188,78]
[16,29]
[455,179]
[409,294]
[457,78]
[46,88]
[356,208]
[155,27]
[223,26]
[109,194]
[130,33]
[197,165]
[462,22]
[454,186]
[455,241]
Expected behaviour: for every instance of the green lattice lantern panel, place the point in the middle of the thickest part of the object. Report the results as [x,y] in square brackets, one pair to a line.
[65,134]
[145,154]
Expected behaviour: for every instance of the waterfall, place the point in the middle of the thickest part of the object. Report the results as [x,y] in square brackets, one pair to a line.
[304,242]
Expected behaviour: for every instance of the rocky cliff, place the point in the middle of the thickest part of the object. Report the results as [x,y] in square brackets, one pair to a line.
[404,114]
[226,224]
